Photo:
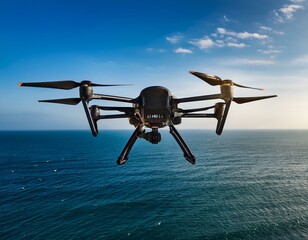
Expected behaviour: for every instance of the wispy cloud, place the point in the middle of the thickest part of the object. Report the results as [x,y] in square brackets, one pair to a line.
[286,13]
[270,30]
[248,61]
[269,51]
[297,1]
[226,19]
[203,43]
[264,28]
[155,50]
[183,51]
[289,10]
[241,35]
[236,45]
[174,39]
[301,60]
[224,38]
[207,42]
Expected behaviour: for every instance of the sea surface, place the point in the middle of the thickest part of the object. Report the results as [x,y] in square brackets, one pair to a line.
[67,185]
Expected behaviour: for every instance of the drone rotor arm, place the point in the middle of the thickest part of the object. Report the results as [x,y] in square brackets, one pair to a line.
[198,115]
[197,98]
[185,111]
[114,116]
[120,109]
[113,98]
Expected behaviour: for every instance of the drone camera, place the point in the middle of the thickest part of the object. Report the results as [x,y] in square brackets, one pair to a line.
[153,137]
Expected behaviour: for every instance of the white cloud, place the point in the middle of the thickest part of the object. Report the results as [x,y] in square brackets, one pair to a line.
[297,1]
[286,13]
[246,61]
[220,43]
[241,35]
[245,35]
[289,10]
[155,50]
[269,29]
[264,28]
[183,50]
[222,31]
[206,43]
[302,60]
[174,39]
[203,43]
[278,32]
[236,45]
[226,19]
[256,61]
[270,51]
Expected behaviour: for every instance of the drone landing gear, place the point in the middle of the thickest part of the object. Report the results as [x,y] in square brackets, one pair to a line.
[124,154]
[187,153]
[154,137]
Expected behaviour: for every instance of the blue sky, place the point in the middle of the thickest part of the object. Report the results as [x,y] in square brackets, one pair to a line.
[257,43]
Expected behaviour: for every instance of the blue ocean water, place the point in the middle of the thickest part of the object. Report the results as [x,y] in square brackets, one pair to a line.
[67,185]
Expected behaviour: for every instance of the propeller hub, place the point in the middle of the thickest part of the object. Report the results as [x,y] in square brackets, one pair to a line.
[227,91]
[227,82]
[86,91]
[86,82]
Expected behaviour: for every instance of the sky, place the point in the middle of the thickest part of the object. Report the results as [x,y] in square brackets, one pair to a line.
[144,43]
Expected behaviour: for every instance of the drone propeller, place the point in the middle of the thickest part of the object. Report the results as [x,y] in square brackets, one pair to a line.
[86,95]
[241,100]
[69,101]
[66,84]
[215,80]
[226,87]
[222,109]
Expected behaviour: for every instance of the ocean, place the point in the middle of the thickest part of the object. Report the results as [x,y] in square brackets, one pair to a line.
[67,185]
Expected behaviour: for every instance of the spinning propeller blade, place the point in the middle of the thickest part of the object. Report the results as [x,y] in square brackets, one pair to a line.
[69,101]
[241,100]
[210,79]
[215,80]
[241,86]
[66,84]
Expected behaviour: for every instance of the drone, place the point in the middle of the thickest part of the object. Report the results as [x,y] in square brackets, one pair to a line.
[154,108]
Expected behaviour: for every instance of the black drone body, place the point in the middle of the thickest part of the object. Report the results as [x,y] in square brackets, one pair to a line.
[154,108]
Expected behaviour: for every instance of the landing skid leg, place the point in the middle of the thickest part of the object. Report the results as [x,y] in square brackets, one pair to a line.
[187,153]
[124,154]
